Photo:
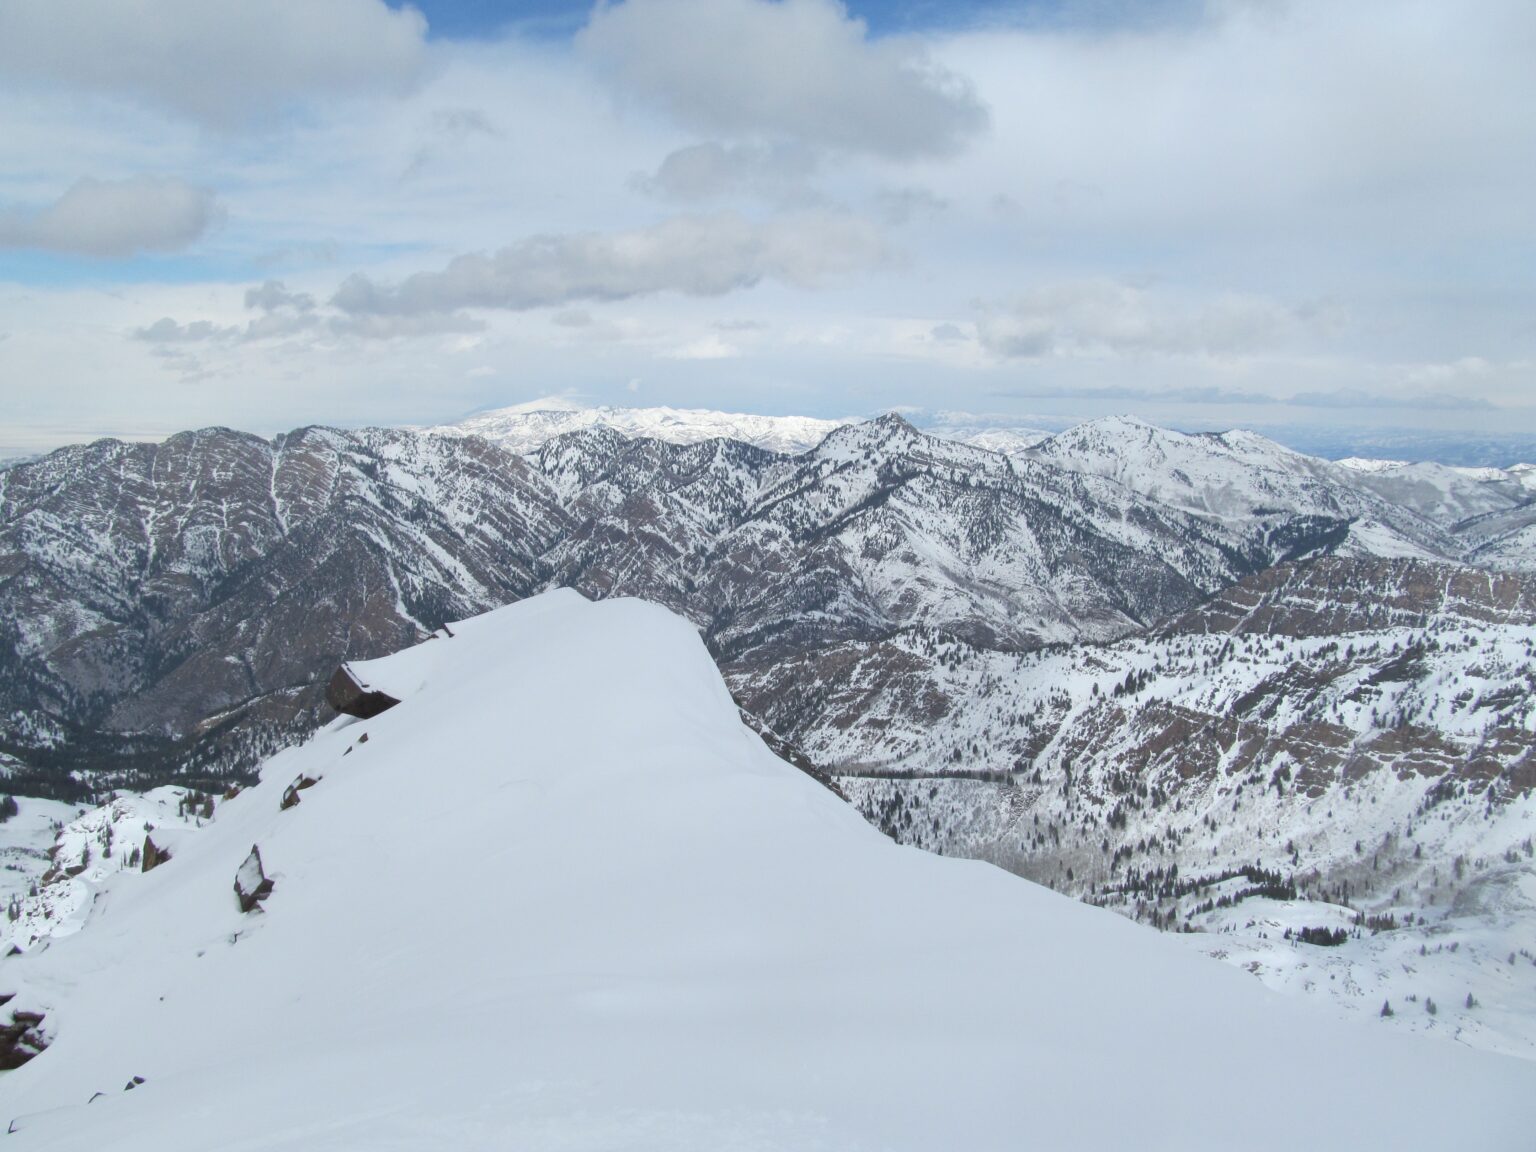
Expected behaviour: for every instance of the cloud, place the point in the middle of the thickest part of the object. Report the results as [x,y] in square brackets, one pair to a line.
[214,61]
[274,295]
[1201,394]
[711,171]
[282,314]
[400,327]
[798,70]
[1346,398]
[168,331]
[899,206]
[1359,398]
[708,348]
[114,218]
[692,255]
[1107,317]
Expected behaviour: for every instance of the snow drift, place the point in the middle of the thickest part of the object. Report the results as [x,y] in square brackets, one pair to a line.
[560,898]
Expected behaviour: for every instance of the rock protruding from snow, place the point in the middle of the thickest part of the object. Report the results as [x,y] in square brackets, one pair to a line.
[252,885]
[21,1038]
[350,696]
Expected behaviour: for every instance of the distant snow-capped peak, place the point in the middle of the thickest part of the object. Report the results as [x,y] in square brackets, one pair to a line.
[525,428]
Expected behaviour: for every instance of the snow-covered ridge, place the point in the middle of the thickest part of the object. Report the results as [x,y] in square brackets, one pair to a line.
[560,897]
[526,428]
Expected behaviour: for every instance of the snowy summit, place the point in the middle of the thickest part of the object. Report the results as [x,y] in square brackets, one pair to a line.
[559,897]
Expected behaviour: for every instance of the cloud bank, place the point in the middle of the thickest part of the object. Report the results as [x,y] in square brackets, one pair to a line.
[214,61]
[796,69]
[1106,317]
[111,219]
[692,255]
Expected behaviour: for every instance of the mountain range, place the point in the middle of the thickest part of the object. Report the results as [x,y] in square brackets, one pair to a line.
[1153,670]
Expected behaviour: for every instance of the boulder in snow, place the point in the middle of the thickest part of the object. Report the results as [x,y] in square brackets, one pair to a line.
[351,696]
[252,885]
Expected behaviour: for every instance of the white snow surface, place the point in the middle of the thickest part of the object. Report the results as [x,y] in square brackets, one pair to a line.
[562,899]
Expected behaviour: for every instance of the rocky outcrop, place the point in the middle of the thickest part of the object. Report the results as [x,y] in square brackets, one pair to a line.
[291,793]
[252,885]
[21,1038]
[347,693]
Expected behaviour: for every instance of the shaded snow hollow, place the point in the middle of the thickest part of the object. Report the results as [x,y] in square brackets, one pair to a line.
[562,899]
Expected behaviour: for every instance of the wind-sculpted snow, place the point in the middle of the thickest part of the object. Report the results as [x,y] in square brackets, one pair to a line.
[561,898]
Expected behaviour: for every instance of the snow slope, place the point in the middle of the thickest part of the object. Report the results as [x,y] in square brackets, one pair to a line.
[561,899]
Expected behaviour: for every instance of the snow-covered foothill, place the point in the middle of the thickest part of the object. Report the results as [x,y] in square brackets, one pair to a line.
[64,857]
[561,898]
[25,839]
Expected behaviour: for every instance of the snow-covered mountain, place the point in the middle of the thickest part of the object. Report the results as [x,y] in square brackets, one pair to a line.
[1442,493]
[525,428]
[179,604]
[886,603]
[1244,477]
[1344,740]
[559,897]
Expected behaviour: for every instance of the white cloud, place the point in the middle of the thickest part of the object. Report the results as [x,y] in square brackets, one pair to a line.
[692,255]
[273,295]
[711,170]
[1105,317]
[796,69]
[114,218]
[707,348]
[215,61]
[168,331]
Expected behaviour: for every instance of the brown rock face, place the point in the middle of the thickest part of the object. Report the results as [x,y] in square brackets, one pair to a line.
[351,697]
[21,1039]
[153,855]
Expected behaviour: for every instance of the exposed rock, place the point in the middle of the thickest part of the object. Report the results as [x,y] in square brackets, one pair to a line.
[252,885]
[351,697]
[291,793]
[21,1039]
[153,855]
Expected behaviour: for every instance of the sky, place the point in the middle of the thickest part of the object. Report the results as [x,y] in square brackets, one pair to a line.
[1300,216]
